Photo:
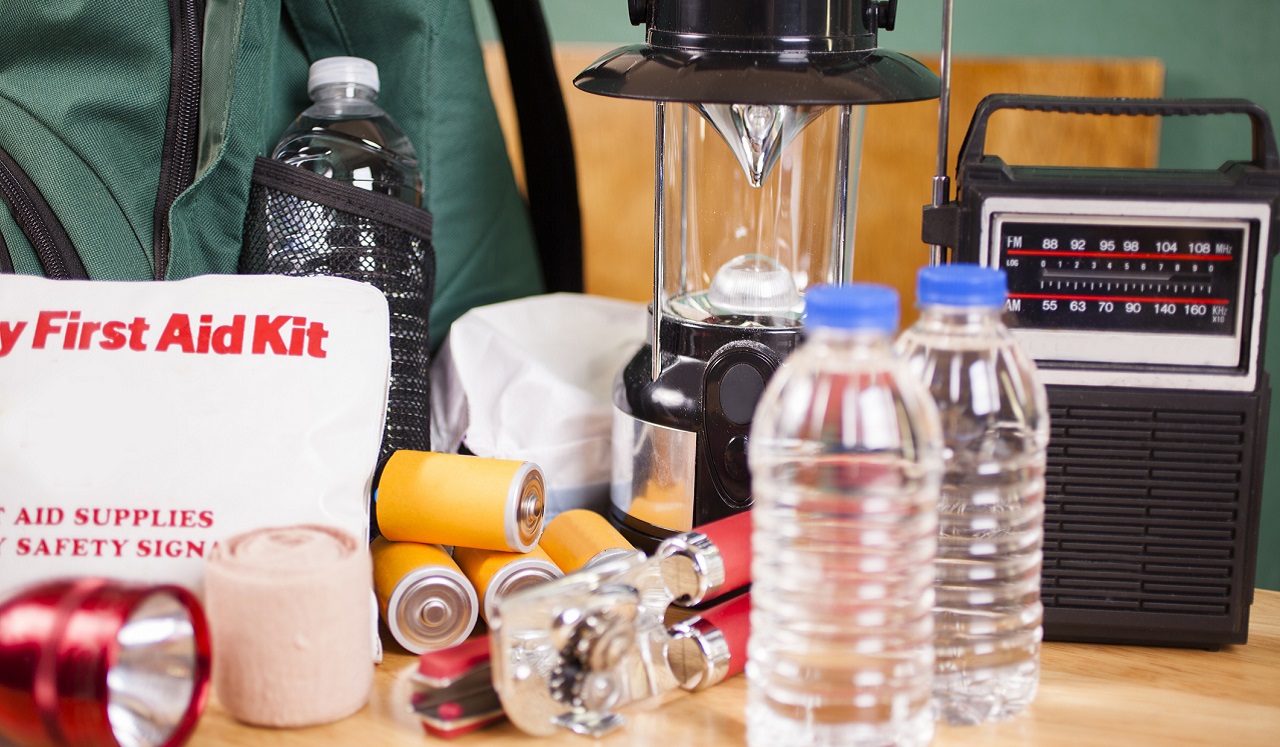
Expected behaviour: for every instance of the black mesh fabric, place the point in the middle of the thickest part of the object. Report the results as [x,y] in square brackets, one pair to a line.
[303,224]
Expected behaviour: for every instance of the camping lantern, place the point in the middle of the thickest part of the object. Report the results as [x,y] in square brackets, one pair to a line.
[756,136]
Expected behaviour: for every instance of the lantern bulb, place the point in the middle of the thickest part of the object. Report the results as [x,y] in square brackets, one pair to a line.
[758,133]
[759,121]
[754,285]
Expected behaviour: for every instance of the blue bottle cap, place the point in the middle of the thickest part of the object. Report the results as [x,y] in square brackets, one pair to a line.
[961,285]
[853,306]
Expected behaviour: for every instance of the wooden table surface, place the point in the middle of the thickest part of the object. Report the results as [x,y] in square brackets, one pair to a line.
[1090,695]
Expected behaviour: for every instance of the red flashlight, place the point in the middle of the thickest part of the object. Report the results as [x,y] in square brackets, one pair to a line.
[100,663]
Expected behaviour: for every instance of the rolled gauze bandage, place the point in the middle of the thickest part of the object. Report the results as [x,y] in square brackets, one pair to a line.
[288,610]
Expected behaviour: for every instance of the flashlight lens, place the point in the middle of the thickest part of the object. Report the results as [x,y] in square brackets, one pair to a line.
[152,683]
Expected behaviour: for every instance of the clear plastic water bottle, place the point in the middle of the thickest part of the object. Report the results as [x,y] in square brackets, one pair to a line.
[991,512]
[845,455]
[345,135]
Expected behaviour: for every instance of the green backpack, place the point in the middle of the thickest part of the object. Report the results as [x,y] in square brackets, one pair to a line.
[129,131]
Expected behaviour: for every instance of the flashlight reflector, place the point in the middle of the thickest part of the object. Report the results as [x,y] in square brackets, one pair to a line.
[100,663]
[154,679]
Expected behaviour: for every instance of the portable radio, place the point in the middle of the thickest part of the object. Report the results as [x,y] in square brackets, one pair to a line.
[1142,296]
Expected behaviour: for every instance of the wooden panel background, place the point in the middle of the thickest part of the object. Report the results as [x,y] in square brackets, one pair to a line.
[613,142]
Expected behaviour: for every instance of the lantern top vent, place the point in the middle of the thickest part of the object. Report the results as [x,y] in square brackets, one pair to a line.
[789,52]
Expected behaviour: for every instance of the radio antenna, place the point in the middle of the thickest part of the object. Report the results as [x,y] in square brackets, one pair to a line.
[942,182]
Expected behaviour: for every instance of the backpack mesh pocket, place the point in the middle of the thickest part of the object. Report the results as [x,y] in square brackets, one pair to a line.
[300,223]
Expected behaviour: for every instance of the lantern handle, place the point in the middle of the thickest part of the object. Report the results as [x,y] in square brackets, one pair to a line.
[659,236]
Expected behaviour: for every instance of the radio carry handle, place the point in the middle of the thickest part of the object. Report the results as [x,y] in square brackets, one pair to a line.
[944,225]
[1265,154]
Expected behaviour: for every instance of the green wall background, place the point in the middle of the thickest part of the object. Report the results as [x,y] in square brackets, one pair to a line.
[1223,48]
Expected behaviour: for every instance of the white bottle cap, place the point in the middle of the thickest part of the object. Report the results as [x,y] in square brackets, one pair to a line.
[355,70]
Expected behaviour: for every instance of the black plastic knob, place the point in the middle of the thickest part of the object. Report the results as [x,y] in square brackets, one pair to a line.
[735,459]
[639,10]
[881,15]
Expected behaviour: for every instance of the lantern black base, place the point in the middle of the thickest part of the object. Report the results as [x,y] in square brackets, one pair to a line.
[712,377]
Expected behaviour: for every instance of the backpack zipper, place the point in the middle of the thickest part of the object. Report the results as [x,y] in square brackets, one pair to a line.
[38,222]
[6,259]
[182,125]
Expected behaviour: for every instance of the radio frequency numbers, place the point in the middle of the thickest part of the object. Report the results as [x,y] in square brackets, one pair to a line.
[1214,308]
[1109,276]
[1065,275]
[1123,246]
[1144,276]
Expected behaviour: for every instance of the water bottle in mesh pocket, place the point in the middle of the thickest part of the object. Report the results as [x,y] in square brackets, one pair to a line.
[300,223]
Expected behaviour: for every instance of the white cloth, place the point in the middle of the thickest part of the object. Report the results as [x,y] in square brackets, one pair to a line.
[532,379]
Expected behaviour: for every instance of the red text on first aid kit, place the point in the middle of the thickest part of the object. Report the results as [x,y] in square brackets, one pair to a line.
[262,334]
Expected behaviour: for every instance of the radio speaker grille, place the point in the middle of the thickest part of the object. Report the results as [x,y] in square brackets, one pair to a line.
[1150,516]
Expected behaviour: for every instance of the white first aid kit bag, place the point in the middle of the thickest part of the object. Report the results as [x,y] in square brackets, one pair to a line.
[141,423]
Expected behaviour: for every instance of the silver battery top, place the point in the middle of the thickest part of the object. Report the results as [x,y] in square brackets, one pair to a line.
[530,506]
[432,608]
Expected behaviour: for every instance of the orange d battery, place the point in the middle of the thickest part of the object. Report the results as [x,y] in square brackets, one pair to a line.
[425,599]
[462,501]
[497,574]
[581,538]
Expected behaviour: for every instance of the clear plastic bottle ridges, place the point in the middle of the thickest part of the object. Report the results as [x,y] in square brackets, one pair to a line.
[994,413]
[845,456]
[345,135]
